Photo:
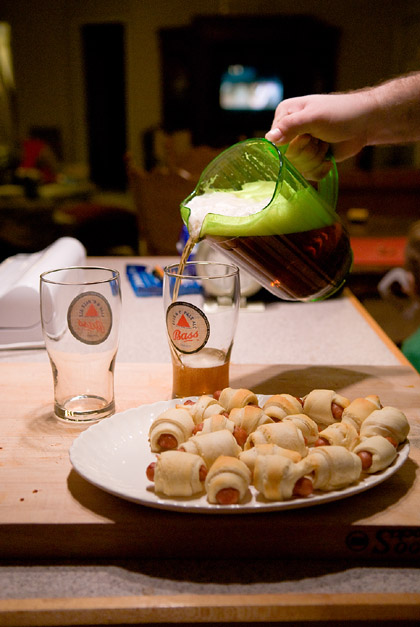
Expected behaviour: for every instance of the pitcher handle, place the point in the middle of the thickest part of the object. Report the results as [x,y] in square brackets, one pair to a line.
[328,186]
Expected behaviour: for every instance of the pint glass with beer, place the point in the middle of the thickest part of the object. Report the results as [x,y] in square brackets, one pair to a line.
[201,304]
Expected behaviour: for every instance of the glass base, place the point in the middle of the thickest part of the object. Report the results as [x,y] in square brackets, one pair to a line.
[84,408]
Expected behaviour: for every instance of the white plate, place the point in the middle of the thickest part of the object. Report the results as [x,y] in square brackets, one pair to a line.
[114,454]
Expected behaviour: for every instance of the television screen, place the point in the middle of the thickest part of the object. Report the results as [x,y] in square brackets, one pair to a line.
[243,88]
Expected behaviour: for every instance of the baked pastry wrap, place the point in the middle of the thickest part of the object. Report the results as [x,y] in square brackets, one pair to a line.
[280,405]
[175,421]
[389,422]
[204,407]
[284,434]
[227,473]
[332,467]
[230,398]
[318,406]
[382,451]
[216,423]
[308,427]
[340,434]
[359,409]
[249,417]
[275,476]
[211,445]
[249,456]
[178,474]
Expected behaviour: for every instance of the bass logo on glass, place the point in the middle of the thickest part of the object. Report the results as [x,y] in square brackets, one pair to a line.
[90,318]
[188,327]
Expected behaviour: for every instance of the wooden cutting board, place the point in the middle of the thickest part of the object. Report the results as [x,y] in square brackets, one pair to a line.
[48,511]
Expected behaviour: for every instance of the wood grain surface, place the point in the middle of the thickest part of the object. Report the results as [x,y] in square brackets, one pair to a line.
[316,610]
[48,510]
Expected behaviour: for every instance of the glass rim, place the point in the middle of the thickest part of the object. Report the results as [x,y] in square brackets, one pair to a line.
[51,281]
[233,270]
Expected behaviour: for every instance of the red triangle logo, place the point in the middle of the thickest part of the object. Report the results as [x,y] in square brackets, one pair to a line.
[183,322]
[91,312]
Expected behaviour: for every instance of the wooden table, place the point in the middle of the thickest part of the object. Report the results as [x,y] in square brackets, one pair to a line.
[51,518]
[48,512]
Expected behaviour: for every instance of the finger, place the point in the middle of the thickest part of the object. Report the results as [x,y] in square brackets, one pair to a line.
[300,143]
[307,153]
[315,153]
[275,136]
[318,173]
[293,124]
[285,117]
[306,148]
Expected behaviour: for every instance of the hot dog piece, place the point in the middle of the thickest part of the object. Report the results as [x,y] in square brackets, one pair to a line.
[211,445]
[240,435]
[359,409]
[332,467]
[227,481]
[249,418]
[324,406]
[279,406]
[336,410]
[376,453]
[340,434]
[178,474]
[167,442]
[230,398]
[367,459]
[284,434]
[278,477]
[303,487]
[150,471]
[321,442]
[228,496]
[389,422]
[170,429]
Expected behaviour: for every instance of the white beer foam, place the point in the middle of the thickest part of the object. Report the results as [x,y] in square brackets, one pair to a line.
[221,203]
[206,358]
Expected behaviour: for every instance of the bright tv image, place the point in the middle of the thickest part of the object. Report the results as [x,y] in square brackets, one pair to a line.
[242,88]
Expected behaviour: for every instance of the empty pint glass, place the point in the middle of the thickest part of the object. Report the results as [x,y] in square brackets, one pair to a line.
[80,314]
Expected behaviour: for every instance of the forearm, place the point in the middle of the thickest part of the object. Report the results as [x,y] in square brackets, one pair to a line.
[394,115]
[388,113]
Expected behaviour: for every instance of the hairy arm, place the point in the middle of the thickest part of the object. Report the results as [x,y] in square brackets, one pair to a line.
[388,113]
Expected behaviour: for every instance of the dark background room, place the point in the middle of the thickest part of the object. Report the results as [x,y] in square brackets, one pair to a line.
[120,91]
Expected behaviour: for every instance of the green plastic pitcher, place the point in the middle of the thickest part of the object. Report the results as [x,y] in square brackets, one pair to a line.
[291,239]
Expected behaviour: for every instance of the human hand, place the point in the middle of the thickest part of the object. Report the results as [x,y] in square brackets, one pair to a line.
[308,155]
[338,120]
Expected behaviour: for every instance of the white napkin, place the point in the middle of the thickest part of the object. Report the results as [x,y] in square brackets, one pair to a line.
[20,319]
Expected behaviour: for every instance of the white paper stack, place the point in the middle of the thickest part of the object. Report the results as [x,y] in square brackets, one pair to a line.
[20,318]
